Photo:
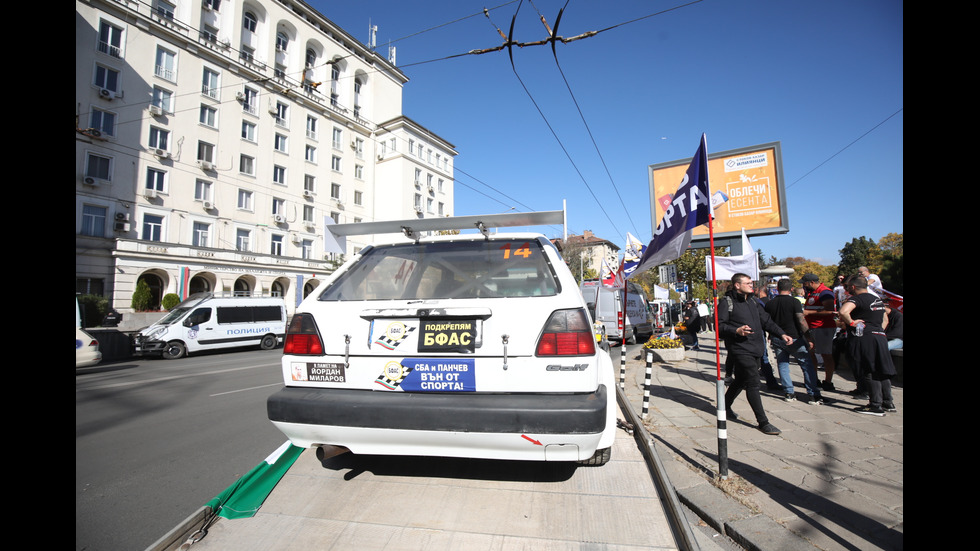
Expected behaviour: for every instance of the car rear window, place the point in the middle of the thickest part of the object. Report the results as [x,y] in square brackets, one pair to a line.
[447,270]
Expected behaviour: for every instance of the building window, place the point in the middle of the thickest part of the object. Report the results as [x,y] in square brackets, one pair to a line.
[308,213]
[357,97]
[93,220]
[282,41]
[247,54]
[276,245]
[209,116]
[411,147]
[152,228]
[250,100]
[359,148]
[310,154]
[210,87]
[205,152]
[442,209]
[98,167]
[110,39]
[311,126]
[335,164]
[418,177]
[334,84]
[165,9]
[247,165]
[418,202]
[202,190]
[335,191]
[156,179]
[428,205]
[243,240]
[163,99]
[106,78]
[440,185]
[309,183]
[159,138]
[103,121]
[358,197]
[279,143]
[209,34]
[248,21]
[278,206]
[244,199]
[335,216]
[248,131]
[282,114]
[166,65]
[359,172]
[200,237]
[279,174]
[307,249]
[338,138]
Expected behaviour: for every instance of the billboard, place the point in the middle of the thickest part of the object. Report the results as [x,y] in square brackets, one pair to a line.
[747,191]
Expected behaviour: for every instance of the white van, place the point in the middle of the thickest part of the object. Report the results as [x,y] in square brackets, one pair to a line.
[207,322]
[605,306]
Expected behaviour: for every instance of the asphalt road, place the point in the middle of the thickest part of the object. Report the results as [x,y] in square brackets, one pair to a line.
[157,439]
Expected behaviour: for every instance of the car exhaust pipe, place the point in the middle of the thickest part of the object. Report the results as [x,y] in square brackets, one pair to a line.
[324,451]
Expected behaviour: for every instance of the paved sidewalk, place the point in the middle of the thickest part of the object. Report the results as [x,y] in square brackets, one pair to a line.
[833,479]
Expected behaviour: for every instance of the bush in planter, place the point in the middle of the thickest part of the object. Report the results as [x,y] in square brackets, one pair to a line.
[142,297]
[663,342]
[93,308]
[170,300]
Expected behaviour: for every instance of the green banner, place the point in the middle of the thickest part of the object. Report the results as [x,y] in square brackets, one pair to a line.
[243,498]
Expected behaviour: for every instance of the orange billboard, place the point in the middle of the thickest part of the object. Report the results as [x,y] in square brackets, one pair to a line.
[747,191]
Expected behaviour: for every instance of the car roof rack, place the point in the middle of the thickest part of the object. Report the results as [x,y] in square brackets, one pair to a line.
[413,227]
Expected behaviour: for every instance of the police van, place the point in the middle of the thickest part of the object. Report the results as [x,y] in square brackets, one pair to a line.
[208,322]
[470,345]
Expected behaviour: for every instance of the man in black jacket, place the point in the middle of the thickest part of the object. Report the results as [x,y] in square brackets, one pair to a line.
[741,323]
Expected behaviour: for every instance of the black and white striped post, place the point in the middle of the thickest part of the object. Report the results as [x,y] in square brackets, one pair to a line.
[622,366]
[646,385]
[722,430]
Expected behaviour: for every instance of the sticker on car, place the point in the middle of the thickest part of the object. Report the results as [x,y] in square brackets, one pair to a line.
[319,372]
[447,336]
[430,375]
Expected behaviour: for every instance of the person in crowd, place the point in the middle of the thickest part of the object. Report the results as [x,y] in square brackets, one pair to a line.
[703,313]
[863,316]
[692,324]
[762,295]
[787,313]
[741,322]
[874,282]
[840,294]
[820,311]
[894,330]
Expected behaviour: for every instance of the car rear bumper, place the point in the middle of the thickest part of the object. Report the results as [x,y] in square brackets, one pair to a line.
[543,427]
[489,413]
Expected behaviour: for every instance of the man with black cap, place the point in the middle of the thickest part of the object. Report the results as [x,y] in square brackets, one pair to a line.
[821,310]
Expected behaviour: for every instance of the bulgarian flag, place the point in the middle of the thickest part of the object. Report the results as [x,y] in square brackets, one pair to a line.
[243,498]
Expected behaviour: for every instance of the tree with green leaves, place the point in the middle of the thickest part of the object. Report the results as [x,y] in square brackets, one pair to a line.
[142,297]
[859,252]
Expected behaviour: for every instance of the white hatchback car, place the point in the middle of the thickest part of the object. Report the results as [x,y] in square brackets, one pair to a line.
[86,349]
[460,346]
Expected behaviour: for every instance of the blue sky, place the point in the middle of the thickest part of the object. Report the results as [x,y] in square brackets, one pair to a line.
[823,78]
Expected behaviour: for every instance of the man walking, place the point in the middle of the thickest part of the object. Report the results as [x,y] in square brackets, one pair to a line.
[787,313]
[741,322]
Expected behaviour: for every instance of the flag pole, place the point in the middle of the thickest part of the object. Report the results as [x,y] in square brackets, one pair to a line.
[719,381]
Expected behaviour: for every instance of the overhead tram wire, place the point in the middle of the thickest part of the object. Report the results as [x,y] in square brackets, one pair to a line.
[554,51]
[856,140]
[508,43]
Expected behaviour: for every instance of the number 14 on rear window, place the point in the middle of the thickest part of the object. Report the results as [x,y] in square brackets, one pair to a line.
[524,251]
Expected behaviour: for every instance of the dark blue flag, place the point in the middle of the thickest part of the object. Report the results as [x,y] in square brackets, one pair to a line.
[689,208]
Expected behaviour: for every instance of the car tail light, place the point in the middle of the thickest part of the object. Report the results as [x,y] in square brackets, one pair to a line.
[567,333]
[302,337]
